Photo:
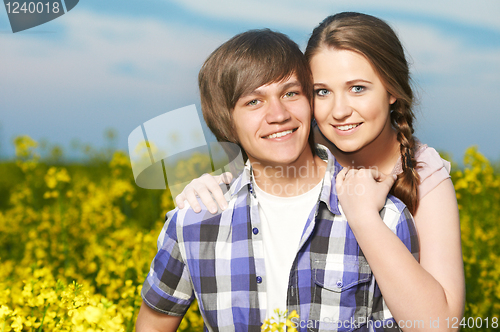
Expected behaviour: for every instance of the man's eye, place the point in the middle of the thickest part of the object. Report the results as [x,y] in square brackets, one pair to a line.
[290,94]
[322,92]
[357,88]
[253,102]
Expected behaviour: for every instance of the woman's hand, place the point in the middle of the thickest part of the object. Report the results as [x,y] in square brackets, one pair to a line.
[362,192]
[206,187]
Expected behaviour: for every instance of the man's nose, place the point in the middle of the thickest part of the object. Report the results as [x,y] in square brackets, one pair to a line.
[277,111]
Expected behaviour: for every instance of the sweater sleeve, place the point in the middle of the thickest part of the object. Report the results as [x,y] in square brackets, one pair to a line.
[432,171]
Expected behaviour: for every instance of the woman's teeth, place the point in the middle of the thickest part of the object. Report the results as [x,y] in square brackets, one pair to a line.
[347,127]
[281,134]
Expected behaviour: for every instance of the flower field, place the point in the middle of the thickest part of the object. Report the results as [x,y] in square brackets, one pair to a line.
[76,242]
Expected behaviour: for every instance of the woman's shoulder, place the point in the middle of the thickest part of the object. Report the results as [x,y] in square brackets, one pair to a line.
[429,161]
[431,168]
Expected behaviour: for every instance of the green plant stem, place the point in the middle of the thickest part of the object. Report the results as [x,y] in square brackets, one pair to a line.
[43,318]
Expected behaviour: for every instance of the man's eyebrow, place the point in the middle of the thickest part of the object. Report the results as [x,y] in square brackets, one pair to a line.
[252,93]
[287,86]
[292,84]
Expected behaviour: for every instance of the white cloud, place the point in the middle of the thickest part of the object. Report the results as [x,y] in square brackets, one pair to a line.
[98,71]
[98,52]
[92,47]
[438,54]
[301,14]
[430,50]
[434,51]
[482,13]
[258,12]
[133,68]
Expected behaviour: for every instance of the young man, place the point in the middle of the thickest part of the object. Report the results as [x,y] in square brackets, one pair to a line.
[283,242]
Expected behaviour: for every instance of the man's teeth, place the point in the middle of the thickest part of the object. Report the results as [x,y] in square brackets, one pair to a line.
[283,133]
[347,127]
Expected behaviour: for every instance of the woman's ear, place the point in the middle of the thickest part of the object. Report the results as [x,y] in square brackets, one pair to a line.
[392,99]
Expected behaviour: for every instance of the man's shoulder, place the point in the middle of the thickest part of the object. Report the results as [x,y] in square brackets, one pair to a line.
[393,210]
[394,204]
[187,216]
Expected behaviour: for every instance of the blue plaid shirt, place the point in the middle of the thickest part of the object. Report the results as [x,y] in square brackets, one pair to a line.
[218,259]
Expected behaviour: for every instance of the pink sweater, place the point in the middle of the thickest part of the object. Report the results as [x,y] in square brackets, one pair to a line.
[432,171]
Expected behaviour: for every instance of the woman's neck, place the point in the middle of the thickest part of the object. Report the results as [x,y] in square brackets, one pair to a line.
[382,154]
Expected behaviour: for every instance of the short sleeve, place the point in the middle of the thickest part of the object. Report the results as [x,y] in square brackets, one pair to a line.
[167,287]
[407,232]
[432,171]
[396,216]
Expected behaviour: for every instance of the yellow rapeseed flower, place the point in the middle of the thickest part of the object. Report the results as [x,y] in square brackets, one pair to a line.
[73,244]
[5,312]
[17,323]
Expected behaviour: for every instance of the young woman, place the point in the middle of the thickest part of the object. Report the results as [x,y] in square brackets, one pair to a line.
[363,111]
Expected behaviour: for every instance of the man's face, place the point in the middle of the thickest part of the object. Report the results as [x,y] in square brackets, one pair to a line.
[273,122]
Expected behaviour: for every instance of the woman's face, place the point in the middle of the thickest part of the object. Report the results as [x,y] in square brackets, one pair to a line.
[351,105]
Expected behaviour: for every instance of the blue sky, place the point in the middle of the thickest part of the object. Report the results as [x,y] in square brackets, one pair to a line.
[117,64]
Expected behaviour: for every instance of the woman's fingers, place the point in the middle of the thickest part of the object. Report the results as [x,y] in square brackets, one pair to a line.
[384,179]
[179,200]
[226,178]
[207,189]
[339,181]
[216,192]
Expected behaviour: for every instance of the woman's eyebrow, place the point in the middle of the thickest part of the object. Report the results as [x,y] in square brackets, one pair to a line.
[357,80]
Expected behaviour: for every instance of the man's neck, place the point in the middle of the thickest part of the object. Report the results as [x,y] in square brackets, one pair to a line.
[293,179]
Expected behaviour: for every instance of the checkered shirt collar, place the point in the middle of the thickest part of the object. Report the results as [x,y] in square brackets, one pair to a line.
[328,194]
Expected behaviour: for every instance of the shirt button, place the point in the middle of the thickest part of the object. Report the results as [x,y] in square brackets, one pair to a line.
[259,280]
[340,284]
[255,231]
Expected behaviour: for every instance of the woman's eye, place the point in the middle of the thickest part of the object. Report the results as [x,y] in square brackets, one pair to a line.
[322,92]
[357,89]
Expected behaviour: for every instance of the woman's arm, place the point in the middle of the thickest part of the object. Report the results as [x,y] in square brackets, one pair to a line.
[149,320]
[431,290]
[438,225]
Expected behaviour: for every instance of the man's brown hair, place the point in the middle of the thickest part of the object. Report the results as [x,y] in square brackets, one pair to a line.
[241,65]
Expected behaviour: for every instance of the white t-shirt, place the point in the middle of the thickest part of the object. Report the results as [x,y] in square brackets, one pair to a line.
[282,223]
